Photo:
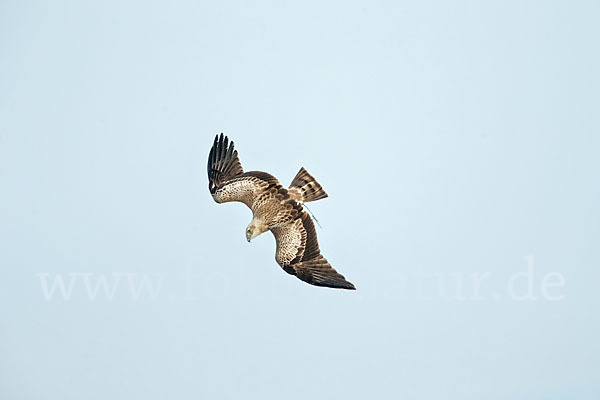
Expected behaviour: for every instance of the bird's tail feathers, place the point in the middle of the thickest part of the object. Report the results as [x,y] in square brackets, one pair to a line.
[305,188]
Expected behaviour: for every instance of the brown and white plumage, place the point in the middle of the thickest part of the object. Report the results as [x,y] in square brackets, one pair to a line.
[277,209]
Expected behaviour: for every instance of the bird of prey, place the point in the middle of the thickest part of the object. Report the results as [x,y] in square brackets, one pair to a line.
[275,209]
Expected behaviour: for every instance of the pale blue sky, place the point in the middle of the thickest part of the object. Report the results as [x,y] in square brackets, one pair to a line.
[452,138]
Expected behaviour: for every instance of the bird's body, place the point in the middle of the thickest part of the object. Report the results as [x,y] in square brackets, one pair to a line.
[277,209]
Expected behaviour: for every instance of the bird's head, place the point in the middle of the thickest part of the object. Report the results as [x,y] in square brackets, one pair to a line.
[254,229]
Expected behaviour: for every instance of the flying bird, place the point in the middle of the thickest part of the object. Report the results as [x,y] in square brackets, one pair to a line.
[276,209]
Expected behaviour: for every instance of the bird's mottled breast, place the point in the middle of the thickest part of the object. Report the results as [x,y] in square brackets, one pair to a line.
[266,207]
[275,208]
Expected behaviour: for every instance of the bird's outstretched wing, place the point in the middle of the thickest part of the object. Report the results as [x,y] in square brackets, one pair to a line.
[227,180]
[298,254]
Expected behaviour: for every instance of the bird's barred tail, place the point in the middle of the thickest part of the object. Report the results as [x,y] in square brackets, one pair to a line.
[305,188]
